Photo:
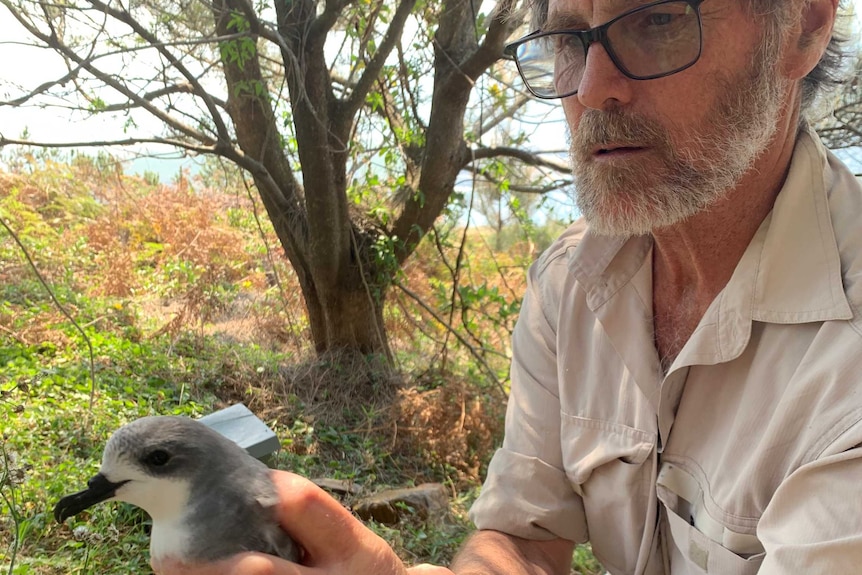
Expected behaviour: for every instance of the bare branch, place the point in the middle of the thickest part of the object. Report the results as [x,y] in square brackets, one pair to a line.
[108,143]
[507,113]
[407,89]
[209,102]
[373,68]
[42,88]
[184,88]
[525,156]
[26,253]
[107,79]
[523,189]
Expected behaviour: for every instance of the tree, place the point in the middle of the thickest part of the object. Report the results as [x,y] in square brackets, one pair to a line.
[349,116]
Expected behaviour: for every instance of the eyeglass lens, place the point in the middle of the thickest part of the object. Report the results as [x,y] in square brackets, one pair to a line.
[645,43]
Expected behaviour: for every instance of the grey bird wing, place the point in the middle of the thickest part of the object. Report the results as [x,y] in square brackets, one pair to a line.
[278,541]
[240,520]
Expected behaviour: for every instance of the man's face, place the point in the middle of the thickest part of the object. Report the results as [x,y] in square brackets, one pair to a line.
[654,152]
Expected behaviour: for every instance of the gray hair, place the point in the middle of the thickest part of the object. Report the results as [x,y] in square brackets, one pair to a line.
[778,15]
[829,73]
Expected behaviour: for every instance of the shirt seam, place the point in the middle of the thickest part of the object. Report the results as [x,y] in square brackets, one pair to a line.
[538,290]
[837,431]
[545,262]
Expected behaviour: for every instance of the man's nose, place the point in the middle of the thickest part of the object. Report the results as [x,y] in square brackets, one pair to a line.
[602,84]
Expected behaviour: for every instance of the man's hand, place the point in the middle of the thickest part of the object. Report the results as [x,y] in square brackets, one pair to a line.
[335,542]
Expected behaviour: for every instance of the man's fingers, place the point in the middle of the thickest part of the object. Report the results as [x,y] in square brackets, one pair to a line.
[426,569]
[242,564]
[260,564]
[321,525]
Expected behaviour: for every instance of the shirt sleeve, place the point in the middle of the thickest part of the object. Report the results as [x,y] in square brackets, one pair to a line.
[526,492]
[813,524]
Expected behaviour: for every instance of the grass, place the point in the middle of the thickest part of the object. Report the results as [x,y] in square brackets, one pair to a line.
[56,439]
[172,289]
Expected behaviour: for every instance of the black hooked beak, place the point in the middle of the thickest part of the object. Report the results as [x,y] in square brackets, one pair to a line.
[98,489]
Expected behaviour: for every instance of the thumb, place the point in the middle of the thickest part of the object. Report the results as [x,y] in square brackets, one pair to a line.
[327,531]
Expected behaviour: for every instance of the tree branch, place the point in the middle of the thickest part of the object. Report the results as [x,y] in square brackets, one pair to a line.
[106,143]
[536,190]
[491,49]
[524,156]
[41,89]
[107,79]
[322,137]
[331,12]
[373,67]
[250,106]
[183,88]
[152,40]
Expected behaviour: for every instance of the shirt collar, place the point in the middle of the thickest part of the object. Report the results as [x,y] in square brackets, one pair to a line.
[798,275]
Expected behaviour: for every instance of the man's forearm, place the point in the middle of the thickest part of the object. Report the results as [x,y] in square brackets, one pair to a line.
[495,553]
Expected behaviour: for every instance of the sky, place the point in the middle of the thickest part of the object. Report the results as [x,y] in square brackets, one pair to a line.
[29,67]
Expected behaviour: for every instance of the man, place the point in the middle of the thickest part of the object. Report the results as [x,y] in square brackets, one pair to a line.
[687,370]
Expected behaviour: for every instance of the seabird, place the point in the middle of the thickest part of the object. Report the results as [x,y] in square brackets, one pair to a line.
[207,497]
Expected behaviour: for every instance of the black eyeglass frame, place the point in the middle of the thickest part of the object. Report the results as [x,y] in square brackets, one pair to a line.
[600,34]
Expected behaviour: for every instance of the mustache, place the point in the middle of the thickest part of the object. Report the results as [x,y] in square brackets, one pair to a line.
[597,128]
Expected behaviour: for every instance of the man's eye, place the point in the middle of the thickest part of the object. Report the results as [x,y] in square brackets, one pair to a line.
[565,42]
[658,19]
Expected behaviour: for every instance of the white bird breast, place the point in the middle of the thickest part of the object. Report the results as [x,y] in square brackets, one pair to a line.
[164,500]
[169,539]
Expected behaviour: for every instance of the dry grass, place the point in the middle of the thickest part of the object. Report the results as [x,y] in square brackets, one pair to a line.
[448,431]
[453,427]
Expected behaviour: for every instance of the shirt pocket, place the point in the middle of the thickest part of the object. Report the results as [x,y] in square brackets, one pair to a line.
[609,466]
[701,542]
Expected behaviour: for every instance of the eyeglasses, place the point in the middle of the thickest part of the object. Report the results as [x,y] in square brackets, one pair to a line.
[652,41]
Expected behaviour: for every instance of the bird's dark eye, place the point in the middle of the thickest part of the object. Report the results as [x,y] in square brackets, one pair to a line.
[157,458]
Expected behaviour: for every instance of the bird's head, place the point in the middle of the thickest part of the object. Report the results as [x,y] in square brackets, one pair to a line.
[149,463]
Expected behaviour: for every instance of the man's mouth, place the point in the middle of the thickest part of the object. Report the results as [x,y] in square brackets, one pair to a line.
[615,150]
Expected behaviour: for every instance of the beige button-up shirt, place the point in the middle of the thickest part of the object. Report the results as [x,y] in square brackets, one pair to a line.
[747,456]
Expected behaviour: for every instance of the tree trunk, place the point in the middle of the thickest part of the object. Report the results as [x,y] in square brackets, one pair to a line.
[344,312]
[346,318]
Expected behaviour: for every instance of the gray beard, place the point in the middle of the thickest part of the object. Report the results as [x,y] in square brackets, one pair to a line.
[626,200]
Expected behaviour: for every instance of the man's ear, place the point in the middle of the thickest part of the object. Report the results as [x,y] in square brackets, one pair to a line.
[809,37]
